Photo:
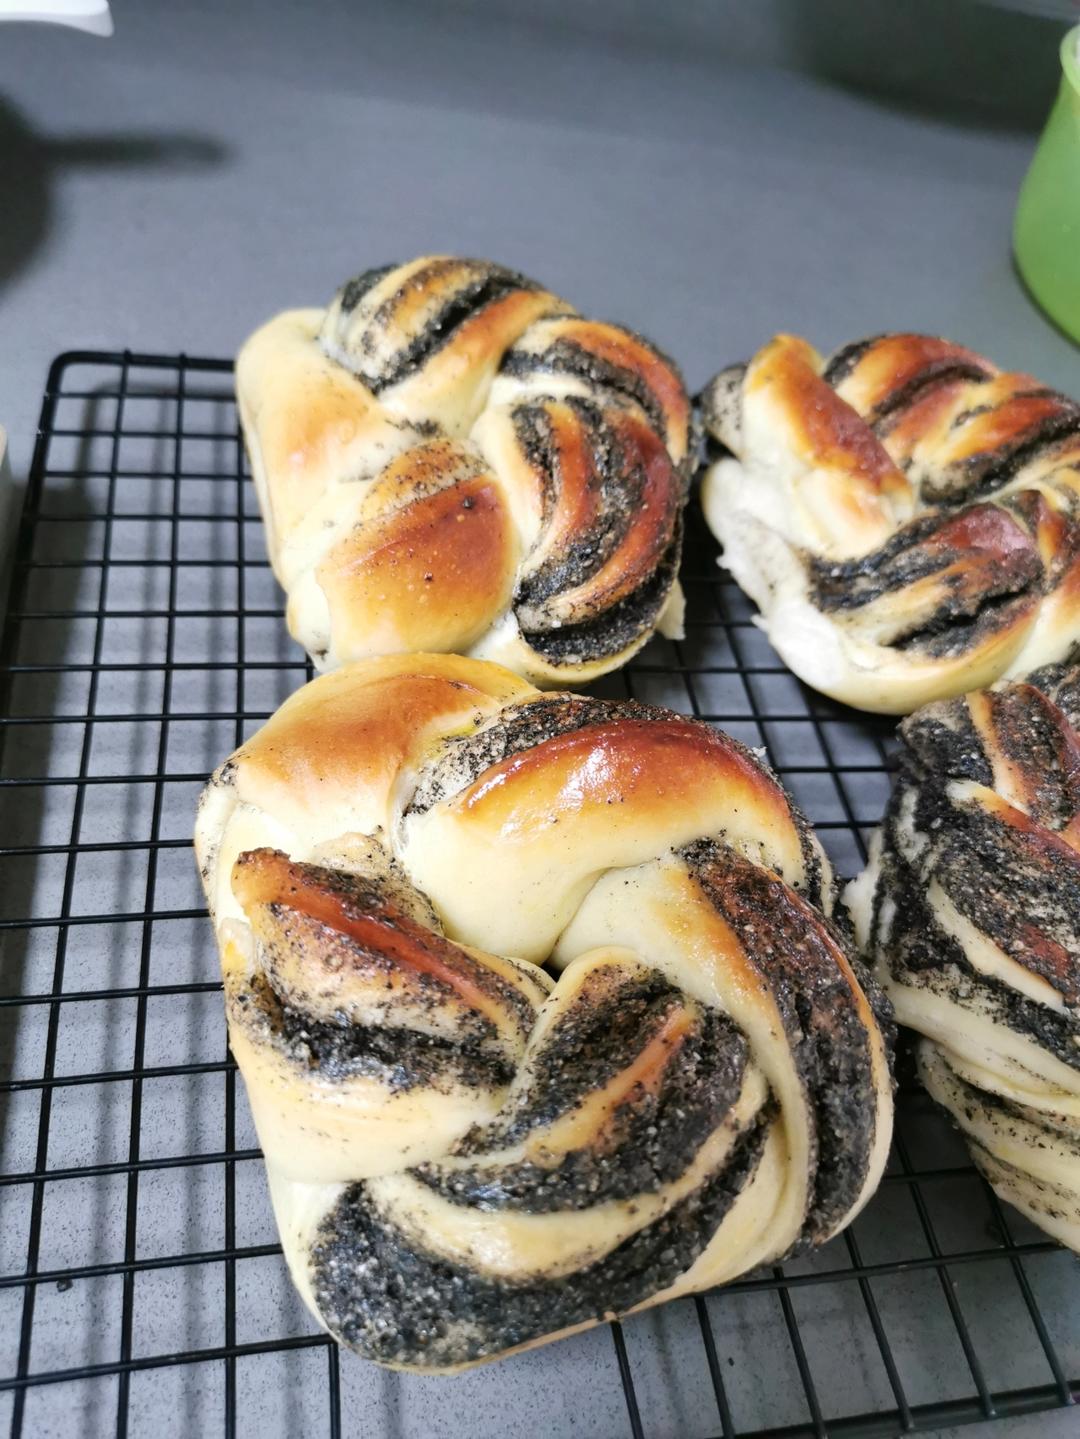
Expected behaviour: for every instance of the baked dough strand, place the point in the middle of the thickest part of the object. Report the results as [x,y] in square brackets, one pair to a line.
[970,912]
[905,515]
[449,458]
[539,1008]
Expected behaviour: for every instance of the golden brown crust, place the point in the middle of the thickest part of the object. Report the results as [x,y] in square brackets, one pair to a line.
[576,507]
[355,416]
[704,1084]
[834,434]
[970,912]
[310,419]
[348,734]
[891,365]
[457,377]
[646,532]
[628,352]
[906,516]
[427,578]
[647,765]
[348,938]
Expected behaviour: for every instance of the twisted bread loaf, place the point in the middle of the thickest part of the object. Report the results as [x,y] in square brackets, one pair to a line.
[450,458]
[970,909]
[467,1154]
[905,515]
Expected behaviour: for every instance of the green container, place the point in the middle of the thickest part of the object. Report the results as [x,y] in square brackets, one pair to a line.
[1046,237]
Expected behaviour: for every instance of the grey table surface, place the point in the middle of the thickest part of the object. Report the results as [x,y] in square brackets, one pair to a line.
[709,175]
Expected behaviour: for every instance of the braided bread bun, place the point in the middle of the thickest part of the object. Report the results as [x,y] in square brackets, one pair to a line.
[905,515]
[970,910]
[466,1153]
[450,458]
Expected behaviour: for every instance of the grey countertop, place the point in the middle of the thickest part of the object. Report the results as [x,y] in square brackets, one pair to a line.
[708,175]
[172,187]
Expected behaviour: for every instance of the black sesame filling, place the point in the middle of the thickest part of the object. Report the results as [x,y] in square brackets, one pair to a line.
[519,728]
[1060,683]
[843,362]
[395,1303]
[354,290]
[980,474]
[615,479]
[918,947]
[946,740]
[905,559]
[942,372]
[616,628]
[483,288]
[565,356]
[953,632]
[401,1059]
[1023,895]
[648,1138]
[829,1039]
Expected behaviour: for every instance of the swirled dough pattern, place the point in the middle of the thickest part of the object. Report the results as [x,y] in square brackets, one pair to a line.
[905,515]
[451,458]
[970,912]
[538,1005]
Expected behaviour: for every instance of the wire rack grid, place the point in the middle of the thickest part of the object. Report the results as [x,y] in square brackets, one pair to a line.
[141,1284]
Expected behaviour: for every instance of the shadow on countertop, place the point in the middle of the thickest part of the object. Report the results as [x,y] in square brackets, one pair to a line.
[966,62]
[30,161]
[971,63]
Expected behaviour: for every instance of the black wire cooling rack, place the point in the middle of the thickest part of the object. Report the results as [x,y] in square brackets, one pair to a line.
[142,1288]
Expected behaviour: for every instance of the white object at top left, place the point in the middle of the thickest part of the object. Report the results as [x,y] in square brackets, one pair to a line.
[93,16]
